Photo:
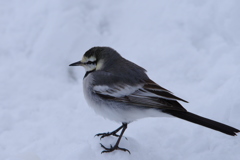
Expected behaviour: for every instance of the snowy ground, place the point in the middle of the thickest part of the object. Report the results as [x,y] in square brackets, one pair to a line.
[189,47]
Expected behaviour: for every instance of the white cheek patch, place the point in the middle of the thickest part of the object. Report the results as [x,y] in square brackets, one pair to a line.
[99,64]
[89,67]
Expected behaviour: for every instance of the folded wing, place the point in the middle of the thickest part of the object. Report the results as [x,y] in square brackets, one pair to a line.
[149,95]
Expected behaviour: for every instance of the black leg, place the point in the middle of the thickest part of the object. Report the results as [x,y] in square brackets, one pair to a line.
[115,147]
[113,133]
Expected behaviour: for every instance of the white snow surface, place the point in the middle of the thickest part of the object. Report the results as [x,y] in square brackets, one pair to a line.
[190,47]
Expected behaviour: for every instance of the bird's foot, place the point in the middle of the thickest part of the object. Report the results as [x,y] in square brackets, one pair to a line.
[102,135]
[113,148]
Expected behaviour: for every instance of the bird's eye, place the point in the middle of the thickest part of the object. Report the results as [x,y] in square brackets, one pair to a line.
[91,62]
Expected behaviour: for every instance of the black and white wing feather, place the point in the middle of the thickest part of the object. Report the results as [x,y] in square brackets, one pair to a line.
[148,94]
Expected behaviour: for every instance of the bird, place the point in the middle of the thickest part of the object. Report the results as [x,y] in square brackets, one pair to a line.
[121,91]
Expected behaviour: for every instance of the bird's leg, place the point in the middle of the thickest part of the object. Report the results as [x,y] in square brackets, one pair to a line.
[113,133]
[115,147]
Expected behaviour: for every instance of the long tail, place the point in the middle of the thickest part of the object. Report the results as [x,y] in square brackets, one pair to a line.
[204,122]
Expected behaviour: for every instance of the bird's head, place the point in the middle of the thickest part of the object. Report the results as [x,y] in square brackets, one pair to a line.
[96,58]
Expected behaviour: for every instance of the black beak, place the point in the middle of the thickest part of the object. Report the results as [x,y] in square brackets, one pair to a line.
[79,63]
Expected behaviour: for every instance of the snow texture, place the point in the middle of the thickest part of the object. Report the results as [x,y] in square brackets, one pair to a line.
[190,47]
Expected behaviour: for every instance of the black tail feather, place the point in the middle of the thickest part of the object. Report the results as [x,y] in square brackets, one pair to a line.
[204,122]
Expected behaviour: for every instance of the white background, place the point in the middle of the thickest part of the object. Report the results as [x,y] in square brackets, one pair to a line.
[191,47]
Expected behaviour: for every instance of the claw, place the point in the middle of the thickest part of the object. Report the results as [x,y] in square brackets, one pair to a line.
[106,134]
[111,149]
[103,146]
[103,135]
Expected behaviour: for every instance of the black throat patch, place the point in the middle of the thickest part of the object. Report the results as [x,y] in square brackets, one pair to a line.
[88,73]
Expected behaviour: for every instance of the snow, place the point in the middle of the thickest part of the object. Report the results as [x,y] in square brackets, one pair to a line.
[190,47]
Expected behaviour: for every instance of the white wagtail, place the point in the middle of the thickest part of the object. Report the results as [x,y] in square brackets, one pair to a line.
[121,91]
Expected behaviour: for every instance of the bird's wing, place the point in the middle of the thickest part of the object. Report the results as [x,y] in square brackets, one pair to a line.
[147,94]
[152,87]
